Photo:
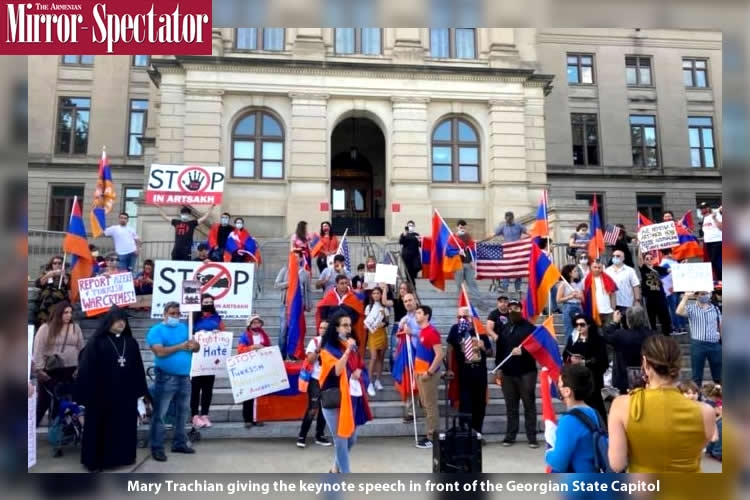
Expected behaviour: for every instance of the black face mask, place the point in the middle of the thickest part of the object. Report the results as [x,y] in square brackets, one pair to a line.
[515,316]
[208,308]
[576,280]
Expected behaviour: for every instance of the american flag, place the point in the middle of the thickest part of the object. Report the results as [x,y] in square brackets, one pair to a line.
[611,234]
[345,252]
[468,349]
[509,260]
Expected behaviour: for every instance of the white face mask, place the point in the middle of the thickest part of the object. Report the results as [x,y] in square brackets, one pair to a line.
[616,261]
[225,220]
[239,225]
[411,229]
[584,261]
[184,217]
[461,232]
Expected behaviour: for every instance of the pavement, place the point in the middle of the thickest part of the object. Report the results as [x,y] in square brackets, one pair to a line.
[370,455]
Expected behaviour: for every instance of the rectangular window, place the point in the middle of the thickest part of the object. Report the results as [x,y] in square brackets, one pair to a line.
[137,125]
[695,72]
[580,69]
[73,125]
[454,43]
[130,197]
[638,71]
[643,140]
[585,139]
[589,198]
[650,205]
[358,41]
[701,136]
[271,39]
[60,205]
[141,61]
[78,60]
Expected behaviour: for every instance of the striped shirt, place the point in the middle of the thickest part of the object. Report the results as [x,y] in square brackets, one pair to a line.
[704,323]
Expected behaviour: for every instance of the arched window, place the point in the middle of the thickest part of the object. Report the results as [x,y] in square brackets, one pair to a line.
[258,147]
[455,152]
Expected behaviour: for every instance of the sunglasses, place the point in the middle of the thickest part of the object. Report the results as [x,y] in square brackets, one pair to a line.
[113,260]
[57,263]
[582,324]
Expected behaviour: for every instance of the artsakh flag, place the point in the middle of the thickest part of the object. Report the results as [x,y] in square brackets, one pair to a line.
[240,241]
[689,246]
[542,277]
[76,244]
[316,245]
[687,220]
[104,197]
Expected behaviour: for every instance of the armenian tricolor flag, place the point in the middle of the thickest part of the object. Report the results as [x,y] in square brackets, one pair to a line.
[104,197]
[643,221]
[444,253]
[316,245]
[76,244]
[542,345]
[542,277]
[687,220]
[689,246]
[540,229]
[295,312]
[590,308]
[596,237]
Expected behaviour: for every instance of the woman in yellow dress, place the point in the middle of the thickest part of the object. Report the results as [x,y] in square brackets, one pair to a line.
[376,320]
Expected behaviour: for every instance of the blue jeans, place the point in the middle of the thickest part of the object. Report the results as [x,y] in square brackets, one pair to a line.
[467,273]
[394,343]
[127,261]
[678,321]
[699,353]
[505,283]
[714,448]
[342,445]
[568,311]
[166,388]
[282,330]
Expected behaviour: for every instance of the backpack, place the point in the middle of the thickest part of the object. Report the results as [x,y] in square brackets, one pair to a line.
[600,439]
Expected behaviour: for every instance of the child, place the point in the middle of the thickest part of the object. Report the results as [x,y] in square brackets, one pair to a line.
[358,282]
[689,390]
[254,338]
[713,397]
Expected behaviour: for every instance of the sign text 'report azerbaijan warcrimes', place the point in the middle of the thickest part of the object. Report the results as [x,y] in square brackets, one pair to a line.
[89,27]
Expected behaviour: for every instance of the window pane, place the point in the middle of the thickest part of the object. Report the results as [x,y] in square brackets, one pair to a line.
[87,59]
[650,134]
[139,104]
[468,173]
[687,77]
[136,122]
[465,43]
[244,168]
[272,150]
[645,76]
[637,157]
[443,132]
[272,170]
[339,199]
[247,38]
[700,64]
[441,154]
[700,120]
[709,155]
[133,192]
[587,75]
[587,60]
[140,60]
[695,157]
[67,191]
[708,138]
[134,147]
[591,132]
[371,41]
[642,120]
[694,136]
[593,154]
[70,59]
[573,74]
[80,102]
[441,173]
[345,40]
[630,76]
[466,133]
[630,61]
[270,126]
[468,156]
[651,159]
[577,133]
[578,158]
[700,79]
[573,60]
[687,64]
[439,42]
[246,126]
[273,38]
[359,200]
[636,136]
[244,150]
[81,132]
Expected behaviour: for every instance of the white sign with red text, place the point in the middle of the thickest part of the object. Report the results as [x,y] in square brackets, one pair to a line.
[185,185]
[257,373]
[216,347]
[105,291]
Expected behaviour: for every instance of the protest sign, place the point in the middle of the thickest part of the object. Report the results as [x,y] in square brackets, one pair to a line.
[191,296]
[230,284]
[32,430]
[695,277]
[370,281]
[185,185]
[212,357]
[257,373]
[386,273]
[31,347]
[105,291]
[658,236]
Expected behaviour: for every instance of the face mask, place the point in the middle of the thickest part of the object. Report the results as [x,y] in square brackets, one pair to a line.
[515,316]
[207,308]
[172,321]
[411,229]
[361,274]
[577,279]
[184,217]
[616,261]
[582,232]
[584,261]
[95,254]
[371,268]
[704,299]
[225,221]
[461,232]
[239,225]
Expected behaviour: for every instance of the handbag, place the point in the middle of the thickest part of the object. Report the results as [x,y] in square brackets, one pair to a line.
[54,361]
[330,399]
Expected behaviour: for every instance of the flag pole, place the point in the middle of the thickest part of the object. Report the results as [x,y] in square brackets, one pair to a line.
[413,382]
[501,363]
[65,254]
[341,245]
[468,302]
[453,236]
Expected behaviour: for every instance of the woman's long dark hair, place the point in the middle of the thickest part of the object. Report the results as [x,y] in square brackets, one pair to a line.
[330,233]
[332,336]
[55,321]
[593,328]
[114,314]
[301,230]
[199,314]
[48,266]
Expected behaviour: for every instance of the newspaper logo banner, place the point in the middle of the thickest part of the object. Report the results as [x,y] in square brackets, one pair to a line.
[230,284]
[658,236]
[257,373]
[216,347]
[95,27]
[185,185]
[103,292]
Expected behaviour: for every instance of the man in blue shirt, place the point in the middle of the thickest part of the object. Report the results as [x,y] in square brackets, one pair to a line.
[172,347]
[510,231]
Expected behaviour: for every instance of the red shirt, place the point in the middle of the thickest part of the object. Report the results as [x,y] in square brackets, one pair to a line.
[429,337]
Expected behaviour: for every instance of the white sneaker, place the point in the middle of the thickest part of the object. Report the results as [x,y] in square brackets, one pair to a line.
[378,385]
[371,390]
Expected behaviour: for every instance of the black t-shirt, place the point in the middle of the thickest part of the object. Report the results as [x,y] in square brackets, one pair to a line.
[651,282]
[499,318]
[357,282]
[183,233]
[512,336]
[455,340]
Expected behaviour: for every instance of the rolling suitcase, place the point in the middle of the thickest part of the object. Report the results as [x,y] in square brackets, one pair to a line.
[459,448]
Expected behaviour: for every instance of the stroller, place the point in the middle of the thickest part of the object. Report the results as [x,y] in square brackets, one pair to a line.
[66,419]
[169,419]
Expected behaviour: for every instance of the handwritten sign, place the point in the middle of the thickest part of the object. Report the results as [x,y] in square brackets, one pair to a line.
[32,430]
[185,185]
[191,296]
[386,273]
[102,292]
[695,277]
[658,236]
[257,373]
[212,357]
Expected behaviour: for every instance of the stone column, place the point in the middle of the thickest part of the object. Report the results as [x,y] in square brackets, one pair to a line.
[308,172]
[217,43]
[308,44]
[536,162]
[202,133]
[170,138]
[407,46]
[408,180]
[503,52]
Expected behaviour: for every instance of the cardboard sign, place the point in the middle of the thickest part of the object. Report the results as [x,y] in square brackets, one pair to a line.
[231,285]
[695,277]
[191,296]
[32,430]
[370,281]
[386,273]
[658,236]
[257,373]
[103,292]
[185,185]
[216,347]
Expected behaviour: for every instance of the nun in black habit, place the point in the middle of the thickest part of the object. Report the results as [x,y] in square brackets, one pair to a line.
[111,379]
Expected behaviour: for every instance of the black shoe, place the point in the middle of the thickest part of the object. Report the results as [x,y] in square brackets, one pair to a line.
[184,449]
[323,441]
[508,442]
[424,443]
[159,456]
[258,424]
[300,442]
[533,445]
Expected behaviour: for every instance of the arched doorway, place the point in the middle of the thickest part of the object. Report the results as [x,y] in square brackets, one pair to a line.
[358,178]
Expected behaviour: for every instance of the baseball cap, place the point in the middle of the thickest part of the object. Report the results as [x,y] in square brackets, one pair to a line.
[515,302]
[202,246]
[704,205]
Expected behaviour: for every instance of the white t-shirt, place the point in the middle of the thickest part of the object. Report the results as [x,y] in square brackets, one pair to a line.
[711,232]
[124,238]
[311,348]
[603,304]
[625,279]
[666,281]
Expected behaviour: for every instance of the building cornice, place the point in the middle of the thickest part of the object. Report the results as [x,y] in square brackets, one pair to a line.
[582,38]
[634,173]
[313,96]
